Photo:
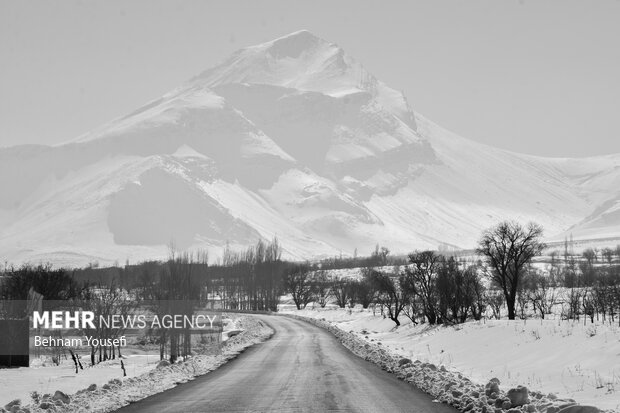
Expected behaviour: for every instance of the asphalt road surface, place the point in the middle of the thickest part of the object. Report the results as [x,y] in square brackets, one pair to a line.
[302,368]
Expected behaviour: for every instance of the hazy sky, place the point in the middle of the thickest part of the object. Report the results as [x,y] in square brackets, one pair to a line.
[539,77]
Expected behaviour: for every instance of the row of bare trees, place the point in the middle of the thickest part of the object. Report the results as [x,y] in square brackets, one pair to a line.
[431,288]
[248,280]
[595,300]
[439,289]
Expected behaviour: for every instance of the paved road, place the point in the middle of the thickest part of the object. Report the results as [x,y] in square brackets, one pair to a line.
[302,368]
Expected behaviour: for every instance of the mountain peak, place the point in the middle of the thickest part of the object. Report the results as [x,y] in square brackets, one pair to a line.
[294,44]
[299,60]
[298,33]
[290,137]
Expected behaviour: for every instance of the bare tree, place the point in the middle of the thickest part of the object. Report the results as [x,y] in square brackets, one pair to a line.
[421,280]
[480,296]
[588,303]
[459,291]
[390,294]
[379,256]
[508,247]
[364,292]
[342,290]
[542,295]
[105,303]
[571,304]
[588,267]
[322,289]
[495,301]
[608,255]
[554,269]
[299,285]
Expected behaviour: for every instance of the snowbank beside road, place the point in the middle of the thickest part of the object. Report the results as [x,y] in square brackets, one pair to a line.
[570,360]
[118,392]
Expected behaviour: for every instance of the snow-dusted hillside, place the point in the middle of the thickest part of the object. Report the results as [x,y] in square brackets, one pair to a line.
[291,138]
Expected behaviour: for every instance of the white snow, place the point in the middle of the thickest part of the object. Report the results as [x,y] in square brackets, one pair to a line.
[186,151]
[567,358]
[290,138]
[19,383]
[112,389]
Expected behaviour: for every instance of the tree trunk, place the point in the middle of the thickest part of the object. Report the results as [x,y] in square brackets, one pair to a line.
[510,303]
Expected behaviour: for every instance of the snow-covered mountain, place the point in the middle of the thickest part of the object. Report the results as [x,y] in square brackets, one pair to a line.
[291,138]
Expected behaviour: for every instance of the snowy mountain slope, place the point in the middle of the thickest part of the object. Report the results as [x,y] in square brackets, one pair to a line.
[304,62]
[291,138]
[603,222]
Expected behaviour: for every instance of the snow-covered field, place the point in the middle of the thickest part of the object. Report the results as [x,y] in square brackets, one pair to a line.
[103,388]
[569,359]
[19,383]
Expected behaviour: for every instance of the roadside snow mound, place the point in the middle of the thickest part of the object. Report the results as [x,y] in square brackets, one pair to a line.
[118,393]
[453,388]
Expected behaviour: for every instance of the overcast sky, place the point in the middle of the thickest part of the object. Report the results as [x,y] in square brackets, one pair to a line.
[539,77]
